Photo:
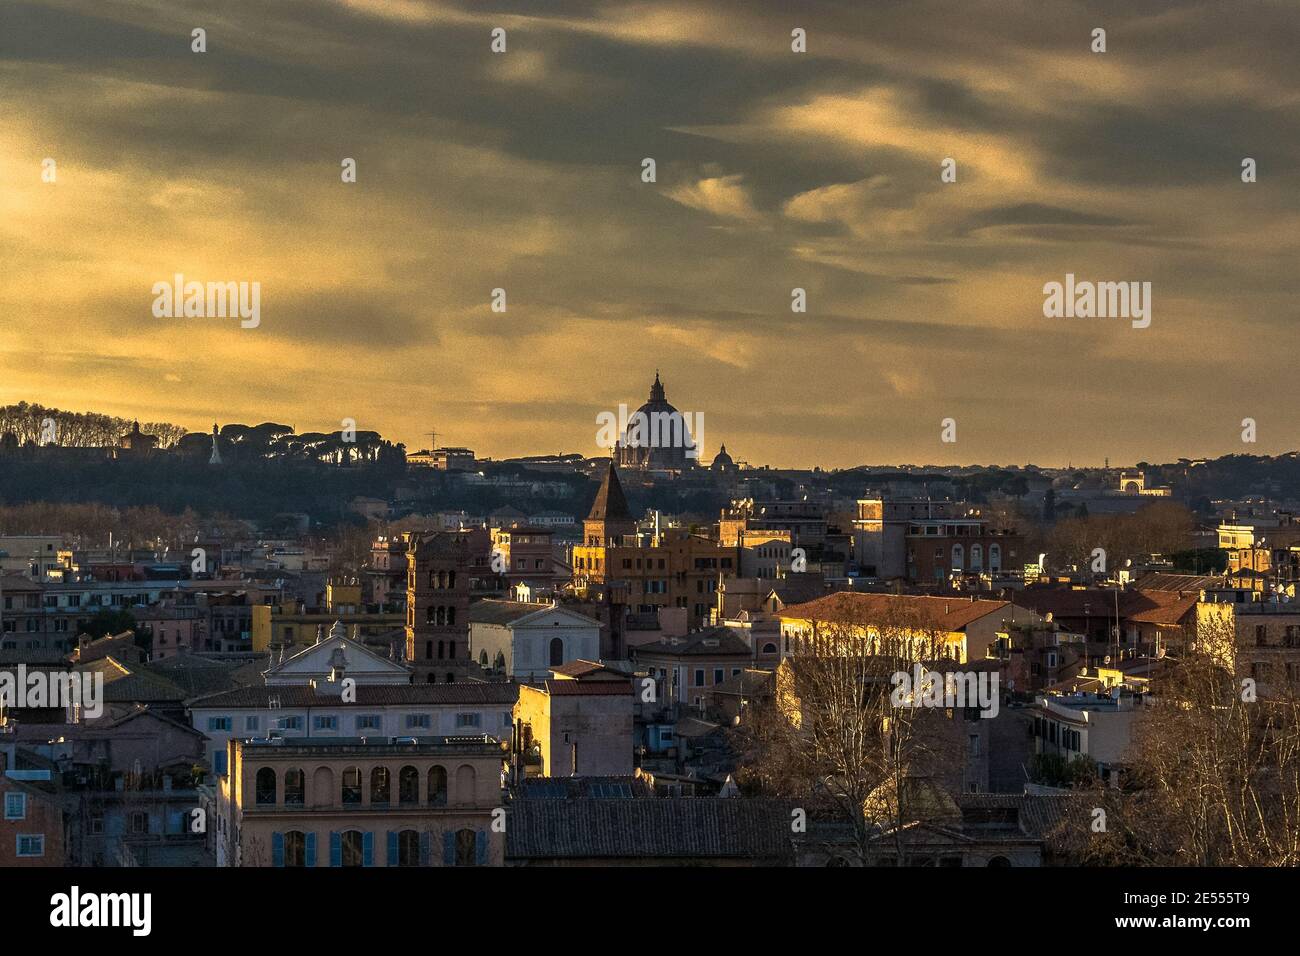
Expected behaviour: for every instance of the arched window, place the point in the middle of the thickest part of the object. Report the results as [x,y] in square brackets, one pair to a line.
[433,579]
[437,786]
[442,647]
[408,786]
[958,557]
[466,848]
[451,615]
[431,679]
[381,786]
[557,651]
[500,662]
[442,615]
[465,784]
[999,861]
[353,846]
[295,787]
[265,787]
[428,650]
[352,787]
[322,787]
[482,659]
[408,848]
[430,614]
[769,648]
[995,557]
[451,579]
[976,558]
[295,848]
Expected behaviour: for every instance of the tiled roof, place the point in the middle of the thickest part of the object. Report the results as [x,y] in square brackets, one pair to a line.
[490,611]
[576,688]
[1155,607]
[630,787]
[373,695]
[710,642]
[684,828]
[748,683]
[946,613]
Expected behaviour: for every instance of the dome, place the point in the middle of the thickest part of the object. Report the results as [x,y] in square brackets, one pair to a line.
[657,436]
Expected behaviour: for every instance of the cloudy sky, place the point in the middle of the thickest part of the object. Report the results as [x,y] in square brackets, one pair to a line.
[775,170]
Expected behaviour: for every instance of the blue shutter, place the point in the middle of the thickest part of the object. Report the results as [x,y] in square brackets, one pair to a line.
[480,848]
[277,849]
[449,849]
[310,851]
[219,762]
[392,848]
[336,848]
[368,849]
[426,848]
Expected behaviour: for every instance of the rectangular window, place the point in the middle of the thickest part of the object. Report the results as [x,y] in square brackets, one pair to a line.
[699,677]
[468,720]
[31,844]
[290,723]
[717,675]
[15,806]
[418,722]
[368,722]
[326,722]
[219,723]
[253,723]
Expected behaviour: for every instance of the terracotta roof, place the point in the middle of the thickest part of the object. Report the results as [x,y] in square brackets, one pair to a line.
[950,614]
[575,688]
[1154,607]
[372,695]
[684,828]
[580,668]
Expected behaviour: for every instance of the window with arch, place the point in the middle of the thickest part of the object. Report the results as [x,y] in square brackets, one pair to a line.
[976,557]
[322,787]
[995,557]
[465,784]
[352,787]
[442,615]
[500,662]
[557,651]
[430,615]
[999,861]
[408,786]
[442,647]
[295,848]
[482,659]
[352,843]
[381,786]
[295,787]
[437,786]
[769,648]
[958,557]
[408,848]
[264,787]
[451,579]
[451,615]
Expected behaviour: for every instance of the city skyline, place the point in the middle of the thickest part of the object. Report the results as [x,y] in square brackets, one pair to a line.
[522,170]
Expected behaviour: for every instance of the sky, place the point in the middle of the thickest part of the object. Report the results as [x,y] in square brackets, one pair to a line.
[775,170]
